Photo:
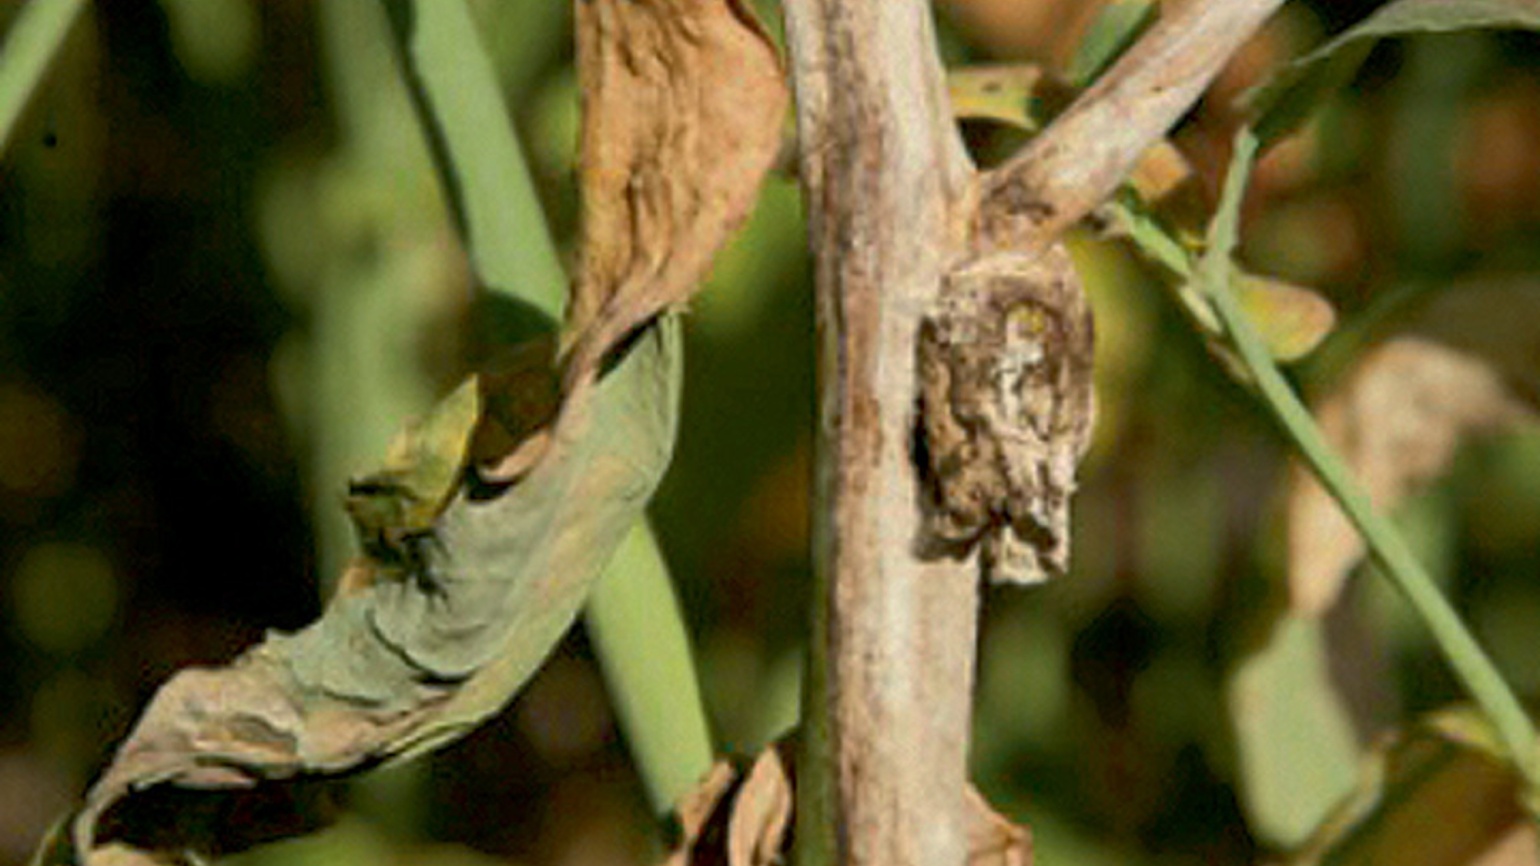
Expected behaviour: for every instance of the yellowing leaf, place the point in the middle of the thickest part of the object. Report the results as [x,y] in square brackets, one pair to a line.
[421,471]
[1010,94]
[1292,320]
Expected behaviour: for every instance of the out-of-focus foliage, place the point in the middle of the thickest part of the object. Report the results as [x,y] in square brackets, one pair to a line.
[206,209]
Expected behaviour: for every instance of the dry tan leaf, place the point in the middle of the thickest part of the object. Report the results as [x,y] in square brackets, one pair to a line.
[993,840]
[737,818]
[1518,847]
[763,811]
[682,108]
[698,806]
[1397,419]
[743,819]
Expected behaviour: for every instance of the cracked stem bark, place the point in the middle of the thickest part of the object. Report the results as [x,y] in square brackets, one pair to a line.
[891,668]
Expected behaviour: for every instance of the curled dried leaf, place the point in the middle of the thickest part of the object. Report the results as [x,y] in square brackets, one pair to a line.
[739,813]
[682,108]
[397,666]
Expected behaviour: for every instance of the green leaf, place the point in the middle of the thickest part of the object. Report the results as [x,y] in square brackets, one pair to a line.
[635,626]
[1281,104]
[1115,28]
[1295,737]
[1439,794]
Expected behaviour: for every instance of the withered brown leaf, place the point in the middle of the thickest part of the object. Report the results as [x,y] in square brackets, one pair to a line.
[682,108]
[1006,409]
[741,815]
[1398,419]
[1464,364]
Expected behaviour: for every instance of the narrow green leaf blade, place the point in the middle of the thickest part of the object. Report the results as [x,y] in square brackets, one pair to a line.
[1280,104]
[638,633]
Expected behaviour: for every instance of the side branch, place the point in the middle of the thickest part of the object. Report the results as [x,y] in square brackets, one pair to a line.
[1059,176]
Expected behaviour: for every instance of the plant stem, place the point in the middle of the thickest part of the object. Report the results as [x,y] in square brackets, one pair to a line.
[32,43]
[882,774]
[638,633]
[479,158]
[1470,663]
[1077,162]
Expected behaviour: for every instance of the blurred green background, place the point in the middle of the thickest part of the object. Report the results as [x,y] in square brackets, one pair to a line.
[227,275]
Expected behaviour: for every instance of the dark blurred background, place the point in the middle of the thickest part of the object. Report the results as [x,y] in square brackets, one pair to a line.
[227,275]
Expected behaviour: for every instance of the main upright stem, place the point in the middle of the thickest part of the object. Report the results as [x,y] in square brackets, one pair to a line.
[893,203]
[883,772]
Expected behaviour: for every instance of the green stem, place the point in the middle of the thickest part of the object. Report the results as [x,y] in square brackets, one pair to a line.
[31,45]
[633,617]
[1386,544]
[479,157]
[638,633]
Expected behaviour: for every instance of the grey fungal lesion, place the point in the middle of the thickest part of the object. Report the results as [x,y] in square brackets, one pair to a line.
[1005,412]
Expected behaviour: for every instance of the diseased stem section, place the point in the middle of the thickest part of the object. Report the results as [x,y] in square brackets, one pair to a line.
[894,205]
[883,773]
